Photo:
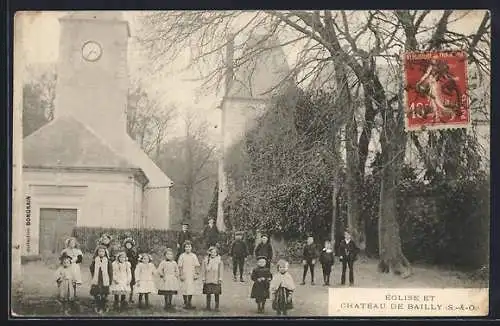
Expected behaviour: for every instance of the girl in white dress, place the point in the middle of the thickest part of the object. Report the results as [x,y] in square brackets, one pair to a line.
[169,278]
[65,278]
[71,249]
[145,278]
[188,271]
[122,275]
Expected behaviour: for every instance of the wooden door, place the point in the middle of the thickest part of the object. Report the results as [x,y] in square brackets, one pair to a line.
[55,225]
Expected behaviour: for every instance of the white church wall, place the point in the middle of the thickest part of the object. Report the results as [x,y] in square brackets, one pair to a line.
[157,208]
[101,200]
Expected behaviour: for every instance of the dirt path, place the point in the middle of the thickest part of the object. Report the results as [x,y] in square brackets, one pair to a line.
[39,289]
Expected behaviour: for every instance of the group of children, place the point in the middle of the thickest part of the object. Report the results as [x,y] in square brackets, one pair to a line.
[347,252]
[126,272]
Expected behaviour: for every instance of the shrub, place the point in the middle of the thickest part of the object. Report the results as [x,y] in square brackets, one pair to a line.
[153,241]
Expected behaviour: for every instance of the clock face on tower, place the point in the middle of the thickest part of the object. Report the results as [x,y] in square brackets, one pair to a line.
[91,51]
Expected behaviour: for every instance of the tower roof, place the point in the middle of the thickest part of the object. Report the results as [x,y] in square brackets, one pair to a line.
[265,74]
[97,15]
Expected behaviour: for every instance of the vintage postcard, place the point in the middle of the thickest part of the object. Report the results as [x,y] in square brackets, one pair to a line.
[251,163]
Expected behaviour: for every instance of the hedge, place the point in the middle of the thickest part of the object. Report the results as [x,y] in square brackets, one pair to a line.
[153,241]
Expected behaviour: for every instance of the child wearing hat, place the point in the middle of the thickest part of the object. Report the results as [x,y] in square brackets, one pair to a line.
[282,287]
[261,276]
[105,241]
[188,273]
[132,258]
[122,275]
[169,278]
[145,273]
[101,271]
[348,254]
[212,269]
[265,249]
[183,236]
[239,252]
[71,249]
[66,282]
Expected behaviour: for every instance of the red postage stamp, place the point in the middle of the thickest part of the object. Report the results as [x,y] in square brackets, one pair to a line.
[436,90]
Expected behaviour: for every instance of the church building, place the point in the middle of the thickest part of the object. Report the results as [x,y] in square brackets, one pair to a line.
[82,168]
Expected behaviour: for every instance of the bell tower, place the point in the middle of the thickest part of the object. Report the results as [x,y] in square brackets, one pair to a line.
[92,81]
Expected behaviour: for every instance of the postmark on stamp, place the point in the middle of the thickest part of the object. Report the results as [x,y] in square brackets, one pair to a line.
[436,90]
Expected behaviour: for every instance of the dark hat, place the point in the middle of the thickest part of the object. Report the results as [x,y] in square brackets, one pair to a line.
[106,235]
[239,233]
[185,223]
[264,235]
[129,240]
[262,257]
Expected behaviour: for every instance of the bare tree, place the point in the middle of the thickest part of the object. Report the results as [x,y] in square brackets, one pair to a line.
[148,121]
[38,97]
[191,161]
[356,41]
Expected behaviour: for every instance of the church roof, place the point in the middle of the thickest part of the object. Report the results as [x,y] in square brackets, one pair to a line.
[134,153]
[67,142]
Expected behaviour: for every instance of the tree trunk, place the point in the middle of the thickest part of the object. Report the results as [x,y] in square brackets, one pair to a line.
[335,192]
[352,159]
[354,222]
[392,141]
[390,251]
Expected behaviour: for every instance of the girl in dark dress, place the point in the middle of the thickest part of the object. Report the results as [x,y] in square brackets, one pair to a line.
[327,259]
[261,276]
[102,276]
[132,258]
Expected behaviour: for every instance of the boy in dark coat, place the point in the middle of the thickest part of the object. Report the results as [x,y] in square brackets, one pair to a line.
[132,258]
[261,276]
[239,252]
[211,234]
[184,236]
[265,249]
[309,259]
[327,259]
[348,254]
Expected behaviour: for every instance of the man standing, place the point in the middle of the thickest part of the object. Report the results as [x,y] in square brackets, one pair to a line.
[184,235]
[348,254]
[265,249]
[239,252]
[211,234]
